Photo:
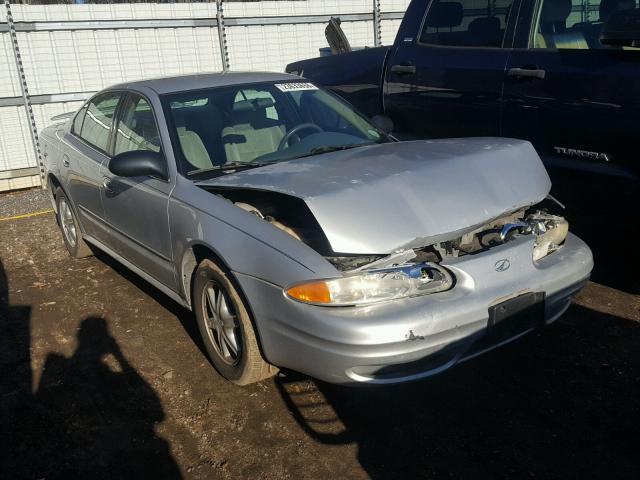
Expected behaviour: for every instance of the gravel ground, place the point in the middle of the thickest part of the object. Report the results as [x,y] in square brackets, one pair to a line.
[101,376]
[23,202]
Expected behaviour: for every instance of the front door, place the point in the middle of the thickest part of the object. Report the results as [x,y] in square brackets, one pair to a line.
[446,80]
[136,207]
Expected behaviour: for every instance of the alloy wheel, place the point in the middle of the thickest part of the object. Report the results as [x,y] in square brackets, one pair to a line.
[67,223]
[223,327]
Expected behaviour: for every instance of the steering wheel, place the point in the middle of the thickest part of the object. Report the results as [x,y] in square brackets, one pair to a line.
[303,126]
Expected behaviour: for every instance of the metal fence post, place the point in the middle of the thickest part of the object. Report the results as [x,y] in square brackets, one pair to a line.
[377,28]
[222,36]
[25,90]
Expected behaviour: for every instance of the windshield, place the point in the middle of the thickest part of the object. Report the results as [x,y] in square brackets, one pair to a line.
[244,126]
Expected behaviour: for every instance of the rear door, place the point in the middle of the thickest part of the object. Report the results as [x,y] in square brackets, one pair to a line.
[88,143]
[578,102]
[445,72]
[136,207]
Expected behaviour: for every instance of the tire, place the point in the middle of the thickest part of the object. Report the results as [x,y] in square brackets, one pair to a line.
[226,327]
[71,233]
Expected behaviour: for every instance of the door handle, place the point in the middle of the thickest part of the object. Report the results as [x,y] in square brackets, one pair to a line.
[538,73]
[65,161]
[108,186]
[403,69]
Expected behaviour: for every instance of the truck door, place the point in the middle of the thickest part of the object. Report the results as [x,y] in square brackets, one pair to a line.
[577,101]
[445,72]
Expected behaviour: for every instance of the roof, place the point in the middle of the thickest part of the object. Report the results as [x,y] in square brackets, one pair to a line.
[181,83]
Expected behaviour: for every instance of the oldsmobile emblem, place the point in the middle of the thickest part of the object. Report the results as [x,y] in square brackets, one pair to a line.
[502,265]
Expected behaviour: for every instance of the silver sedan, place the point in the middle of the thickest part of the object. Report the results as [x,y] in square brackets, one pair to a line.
[304,236]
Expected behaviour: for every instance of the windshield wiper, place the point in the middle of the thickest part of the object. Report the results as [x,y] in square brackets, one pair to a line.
[332,148]
[228,166]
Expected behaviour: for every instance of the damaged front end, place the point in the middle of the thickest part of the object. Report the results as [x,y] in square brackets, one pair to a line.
[389,216]
[410,272]
[415,272]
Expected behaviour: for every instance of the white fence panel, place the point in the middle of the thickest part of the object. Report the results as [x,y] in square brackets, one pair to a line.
[61,60]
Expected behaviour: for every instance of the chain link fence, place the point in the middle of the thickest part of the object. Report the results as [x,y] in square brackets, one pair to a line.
[53,55]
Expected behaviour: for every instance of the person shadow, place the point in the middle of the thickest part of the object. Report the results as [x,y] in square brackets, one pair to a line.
[91,416]
[102,411]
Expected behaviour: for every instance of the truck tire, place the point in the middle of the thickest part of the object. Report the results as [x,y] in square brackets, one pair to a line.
[71,233]
[226,327]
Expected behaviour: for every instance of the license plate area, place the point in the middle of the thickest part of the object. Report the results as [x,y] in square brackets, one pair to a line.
[516,315]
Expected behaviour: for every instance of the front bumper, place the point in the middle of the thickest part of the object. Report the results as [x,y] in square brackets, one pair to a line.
[408,339]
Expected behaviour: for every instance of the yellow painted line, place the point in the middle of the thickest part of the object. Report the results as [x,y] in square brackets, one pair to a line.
[26,215]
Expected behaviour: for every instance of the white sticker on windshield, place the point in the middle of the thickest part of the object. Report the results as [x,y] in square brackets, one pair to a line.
[295,86]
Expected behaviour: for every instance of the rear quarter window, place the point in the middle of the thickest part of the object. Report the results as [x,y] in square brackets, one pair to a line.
[77,121]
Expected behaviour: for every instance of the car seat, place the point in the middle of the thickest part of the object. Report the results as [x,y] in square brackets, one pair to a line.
[251,133]
[191,144]
[552,30]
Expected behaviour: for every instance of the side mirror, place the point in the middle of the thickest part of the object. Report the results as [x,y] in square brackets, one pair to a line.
[383,123]
[622,29]
[139,163]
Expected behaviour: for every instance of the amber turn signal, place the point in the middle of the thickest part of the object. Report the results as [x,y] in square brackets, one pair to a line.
[314,292]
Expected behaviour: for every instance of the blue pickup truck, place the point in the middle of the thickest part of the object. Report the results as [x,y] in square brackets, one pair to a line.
[563,74]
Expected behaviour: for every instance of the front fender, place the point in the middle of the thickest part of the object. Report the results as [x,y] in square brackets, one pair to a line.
[245,243]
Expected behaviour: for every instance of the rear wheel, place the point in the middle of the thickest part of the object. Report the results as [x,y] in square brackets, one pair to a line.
[226,327]
[71,232]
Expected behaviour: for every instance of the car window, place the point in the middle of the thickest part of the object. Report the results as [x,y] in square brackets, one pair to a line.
[97,122]
[137,128]
[262,123]
[467,23]
[77,121]
[575,24]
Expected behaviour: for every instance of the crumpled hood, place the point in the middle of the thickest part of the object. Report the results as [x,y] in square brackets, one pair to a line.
[380,198]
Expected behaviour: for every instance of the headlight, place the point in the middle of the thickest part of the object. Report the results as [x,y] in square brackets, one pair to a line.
[550,231]
[373,286]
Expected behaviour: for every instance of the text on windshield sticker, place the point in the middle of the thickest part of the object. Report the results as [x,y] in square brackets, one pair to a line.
[295,86]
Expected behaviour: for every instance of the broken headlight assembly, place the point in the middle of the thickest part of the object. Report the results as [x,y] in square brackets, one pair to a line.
[372,286]
[550,231]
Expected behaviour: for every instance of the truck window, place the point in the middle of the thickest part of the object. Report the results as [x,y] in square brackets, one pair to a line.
[467,23]
[575,24]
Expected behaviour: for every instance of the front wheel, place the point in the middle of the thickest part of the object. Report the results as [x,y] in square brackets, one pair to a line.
[226,327]
[71,232]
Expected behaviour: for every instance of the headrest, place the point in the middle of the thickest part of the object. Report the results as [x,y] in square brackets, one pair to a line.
[445,15]
[485,31]
[609,7]
[485,25]
[555,10]
[253,105]
[178,117]
[252,112]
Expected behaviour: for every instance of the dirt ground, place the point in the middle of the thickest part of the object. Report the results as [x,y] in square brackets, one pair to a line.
[101,376]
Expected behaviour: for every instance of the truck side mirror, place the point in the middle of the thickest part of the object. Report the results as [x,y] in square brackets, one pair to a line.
[383,123]
[622,29]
